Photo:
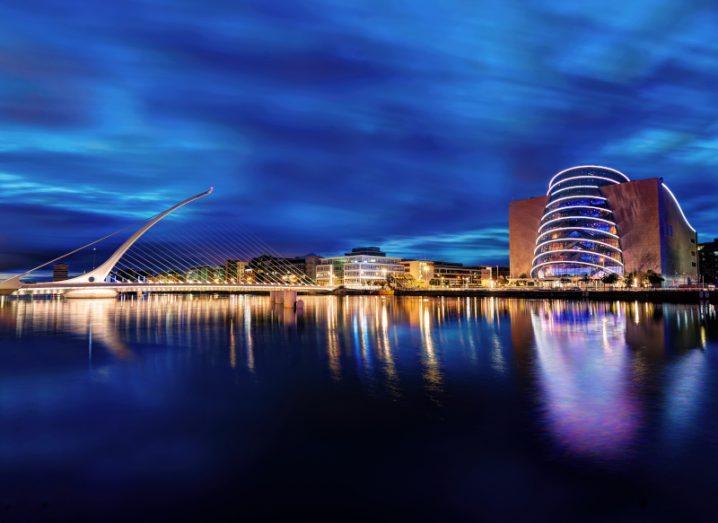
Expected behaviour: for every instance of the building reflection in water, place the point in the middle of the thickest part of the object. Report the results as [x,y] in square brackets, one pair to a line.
[584,377]
[599,366]
[592,367]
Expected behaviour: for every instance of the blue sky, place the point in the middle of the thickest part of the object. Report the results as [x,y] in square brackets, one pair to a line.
[327,124]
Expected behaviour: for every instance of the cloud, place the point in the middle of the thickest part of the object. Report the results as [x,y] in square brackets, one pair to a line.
[326,123]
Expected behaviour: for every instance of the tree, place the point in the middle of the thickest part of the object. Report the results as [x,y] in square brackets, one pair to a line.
[654,279]
[610,279]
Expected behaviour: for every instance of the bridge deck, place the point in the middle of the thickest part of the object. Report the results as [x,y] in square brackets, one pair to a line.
[60,287]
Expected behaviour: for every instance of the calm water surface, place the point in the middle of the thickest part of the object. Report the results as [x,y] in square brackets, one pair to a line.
[361,408]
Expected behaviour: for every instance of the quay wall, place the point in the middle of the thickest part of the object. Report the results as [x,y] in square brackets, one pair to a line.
[649,295]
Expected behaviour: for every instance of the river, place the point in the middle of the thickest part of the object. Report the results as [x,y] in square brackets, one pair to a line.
[357,408]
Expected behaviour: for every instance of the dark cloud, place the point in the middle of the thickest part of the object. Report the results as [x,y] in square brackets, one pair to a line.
[326,123]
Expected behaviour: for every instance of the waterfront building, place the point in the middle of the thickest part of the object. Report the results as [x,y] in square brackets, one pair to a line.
[234,271]
[448,274]
[421,271]
[306,265]
[595,221]
[428,273]
[168,276]
[272,269]
[708,261]
[205,274]
[60,272]
[359,267]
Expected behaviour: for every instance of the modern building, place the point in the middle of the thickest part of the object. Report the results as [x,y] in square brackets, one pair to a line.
[60,272]
[708,261]
[448,274]
[594,221]
[360,267]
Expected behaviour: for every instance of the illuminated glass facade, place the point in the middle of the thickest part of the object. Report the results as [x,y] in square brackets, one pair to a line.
[577,235]
[361,267]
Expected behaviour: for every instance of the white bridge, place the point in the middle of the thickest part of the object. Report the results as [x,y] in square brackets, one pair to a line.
[97,283]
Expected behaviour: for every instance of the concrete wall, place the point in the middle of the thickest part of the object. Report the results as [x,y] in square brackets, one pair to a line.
[524,220]
[636,212]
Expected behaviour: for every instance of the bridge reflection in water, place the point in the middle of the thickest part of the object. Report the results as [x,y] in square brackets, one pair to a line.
[597,373]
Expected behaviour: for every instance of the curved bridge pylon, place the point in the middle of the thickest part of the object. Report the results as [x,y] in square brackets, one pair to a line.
[100,274]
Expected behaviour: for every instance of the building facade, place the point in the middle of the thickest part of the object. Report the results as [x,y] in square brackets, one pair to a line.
[595,221]
[361,267]
[306,265]
[421,271]
[234,271]
[428,273]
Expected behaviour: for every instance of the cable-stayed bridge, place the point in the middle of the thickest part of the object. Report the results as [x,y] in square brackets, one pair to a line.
[218,259]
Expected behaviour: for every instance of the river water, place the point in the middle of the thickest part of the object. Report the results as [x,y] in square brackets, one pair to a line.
[358,408]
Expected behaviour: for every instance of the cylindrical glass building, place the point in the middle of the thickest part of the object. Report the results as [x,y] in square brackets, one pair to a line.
[577,235]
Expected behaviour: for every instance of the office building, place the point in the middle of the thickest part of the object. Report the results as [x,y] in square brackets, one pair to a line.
[360,267]
[428,273]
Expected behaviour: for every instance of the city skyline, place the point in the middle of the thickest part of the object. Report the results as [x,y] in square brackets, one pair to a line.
[331,124]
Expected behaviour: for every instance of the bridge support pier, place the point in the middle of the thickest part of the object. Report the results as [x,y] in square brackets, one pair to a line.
[288,299]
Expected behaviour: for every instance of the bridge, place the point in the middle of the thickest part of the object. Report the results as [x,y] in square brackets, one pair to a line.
[100,283]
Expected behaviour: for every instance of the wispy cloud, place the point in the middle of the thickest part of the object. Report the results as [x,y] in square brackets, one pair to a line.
[327,122]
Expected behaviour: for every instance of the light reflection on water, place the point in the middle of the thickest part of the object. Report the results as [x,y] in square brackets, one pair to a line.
[599,375]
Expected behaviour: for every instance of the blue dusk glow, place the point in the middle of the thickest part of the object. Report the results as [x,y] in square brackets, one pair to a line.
[330,124]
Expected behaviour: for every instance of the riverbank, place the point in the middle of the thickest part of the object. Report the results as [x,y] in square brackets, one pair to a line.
[649,295]
[646,295]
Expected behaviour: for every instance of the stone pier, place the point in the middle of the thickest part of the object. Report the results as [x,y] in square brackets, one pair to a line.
[287,299]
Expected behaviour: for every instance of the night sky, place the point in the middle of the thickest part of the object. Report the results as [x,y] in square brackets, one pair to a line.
[330,124]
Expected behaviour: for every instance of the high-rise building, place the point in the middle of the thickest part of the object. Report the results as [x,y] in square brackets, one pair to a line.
[595,221]
[360,267]
[60,272]
[708,261]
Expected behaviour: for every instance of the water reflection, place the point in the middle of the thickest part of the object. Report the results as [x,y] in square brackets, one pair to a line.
[584,374]
[599,373]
